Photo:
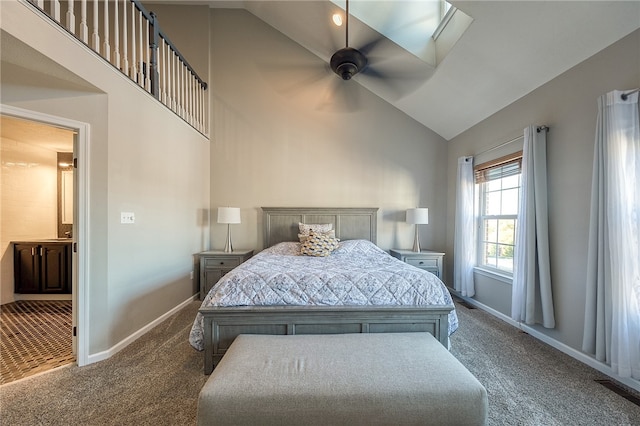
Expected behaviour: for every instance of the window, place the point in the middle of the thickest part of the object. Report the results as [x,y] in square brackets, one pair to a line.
[499,193]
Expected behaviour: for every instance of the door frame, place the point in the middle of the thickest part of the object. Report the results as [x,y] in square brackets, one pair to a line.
[80,258]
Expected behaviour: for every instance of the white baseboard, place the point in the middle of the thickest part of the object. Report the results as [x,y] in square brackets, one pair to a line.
[573,353]
[131,338]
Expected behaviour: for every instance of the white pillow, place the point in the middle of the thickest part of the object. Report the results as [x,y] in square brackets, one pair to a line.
[305,228]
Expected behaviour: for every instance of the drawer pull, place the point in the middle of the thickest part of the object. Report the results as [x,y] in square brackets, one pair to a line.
[421,262]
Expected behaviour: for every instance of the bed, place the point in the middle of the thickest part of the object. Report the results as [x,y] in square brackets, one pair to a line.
[351,299]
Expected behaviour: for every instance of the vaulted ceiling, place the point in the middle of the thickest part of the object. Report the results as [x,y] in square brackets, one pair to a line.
[509,49]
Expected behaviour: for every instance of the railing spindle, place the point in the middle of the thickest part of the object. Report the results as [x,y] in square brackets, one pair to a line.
[141,69]
[71,18]
[203,118]
[134,65]
[106,48]
[182,91]
[185,84]
[189,99]
[84,27]
[179,82]
[95,37]
[55,10]
[164,71]
[174,80]
[116,35]
[197,106]
[125,47]
[192,108]
[148,74]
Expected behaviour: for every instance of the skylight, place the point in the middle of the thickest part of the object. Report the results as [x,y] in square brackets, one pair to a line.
[414,25]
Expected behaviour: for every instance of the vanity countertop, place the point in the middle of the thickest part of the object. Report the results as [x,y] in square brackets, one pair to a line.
[43,240]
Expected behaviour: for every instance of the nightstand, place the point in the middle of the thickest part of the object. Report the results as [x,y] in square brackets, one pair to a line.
[215,263]
[428,260]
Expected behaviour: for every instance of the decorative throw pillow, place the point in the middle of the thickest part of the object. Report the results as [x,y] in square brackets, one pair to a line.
[305,228]
[305,237]
[318,245]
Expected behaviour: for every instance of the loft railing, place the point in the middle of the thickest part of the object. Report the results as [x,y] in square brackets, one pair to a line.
[129,37]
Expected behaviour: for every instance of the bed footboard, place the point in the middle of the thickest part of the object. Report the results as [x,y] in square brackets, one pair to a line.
[223,324]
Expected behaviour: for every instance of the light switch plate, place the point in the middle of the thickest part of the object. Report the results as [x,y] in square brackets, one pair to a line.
[127,217]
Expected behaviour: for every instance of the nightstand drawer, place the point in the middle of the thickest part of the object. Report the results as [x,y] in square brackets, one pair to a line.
[423,263]
[222,262]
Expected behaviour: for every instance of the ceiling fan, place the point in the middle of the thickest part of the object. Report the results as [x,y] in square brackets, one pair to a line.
[374,62]
[379,65]
[348,61]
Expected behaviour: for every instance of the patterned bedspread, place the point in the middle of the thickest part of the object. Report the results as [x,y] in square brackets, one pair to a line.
[356,273]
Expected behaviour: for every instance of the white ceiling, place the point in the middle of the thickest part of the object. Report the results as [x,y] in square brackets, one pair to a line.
[56,139]
[510,49]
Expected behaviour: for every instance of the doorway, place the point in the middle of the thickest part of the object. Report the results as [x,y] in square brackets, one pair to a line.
[46,135]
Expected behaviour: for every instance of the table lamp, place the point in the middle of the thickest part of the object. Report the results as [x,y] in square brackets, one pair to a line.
[417,216]
[228,215]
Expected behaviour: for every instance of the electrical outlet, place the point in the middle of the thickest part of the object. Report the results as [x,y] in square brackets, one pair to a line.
[191,275]
[127,217]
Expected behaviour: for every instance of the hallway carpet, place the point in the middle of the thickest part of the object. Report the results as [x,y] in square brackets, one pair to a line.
[35,336]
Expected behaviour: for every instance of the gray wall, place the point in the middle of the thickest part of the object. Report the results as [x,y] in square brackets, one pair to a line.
[567,104]
[273,144]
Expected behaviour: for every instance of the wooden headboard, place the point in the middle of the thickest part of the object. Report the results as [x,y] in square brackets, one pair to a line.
[350,223]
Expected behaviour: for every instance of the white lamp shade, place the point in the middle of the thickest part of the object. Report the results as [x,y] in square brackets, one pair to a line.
[418,216]
[228,215]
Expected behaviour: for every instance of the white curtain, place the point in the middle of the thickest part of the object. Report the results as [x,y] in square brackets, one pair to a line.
[532,272]
[612,311]
[464,233]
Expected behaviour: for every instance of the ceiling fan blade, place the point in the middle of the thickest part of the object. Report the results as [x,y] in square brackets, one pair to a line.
[394,81]
[290,79]
[370,46]
[341,96]
[312,86]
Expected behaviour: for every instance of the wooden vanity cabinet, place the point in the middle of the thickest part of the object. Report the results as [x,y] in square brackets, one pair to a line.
[42,267]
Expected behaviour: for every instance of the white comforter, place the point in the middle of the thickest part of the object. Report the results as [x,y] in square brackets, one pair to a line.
[357,273]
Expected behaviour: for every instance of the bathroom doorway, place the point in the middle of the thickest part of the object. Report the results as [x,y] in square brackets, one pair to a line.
[40,201]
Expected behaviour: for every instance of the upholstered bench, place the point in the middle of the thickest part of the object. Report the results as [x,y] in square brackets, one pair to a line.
[341,379]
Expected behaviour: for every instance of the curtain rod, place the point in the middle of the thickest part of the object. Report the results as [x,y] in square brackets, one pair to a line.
[624,96]
[538,129]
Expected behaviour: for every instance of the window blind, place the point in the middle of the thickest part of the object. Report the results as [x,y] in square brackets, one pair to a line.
[499,168]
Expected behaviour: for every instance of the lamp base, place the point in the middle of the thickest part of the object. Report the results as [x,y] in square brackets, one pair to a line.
[416,241]
[228,248]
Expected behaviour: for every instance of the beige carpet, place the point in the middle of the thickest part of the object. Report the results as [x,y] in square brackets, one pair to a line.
[153,381]
[156,380]
[531,383]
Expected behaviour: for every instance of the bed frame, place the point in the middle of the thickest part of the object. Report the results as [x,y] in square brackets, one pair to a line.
[223,324]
